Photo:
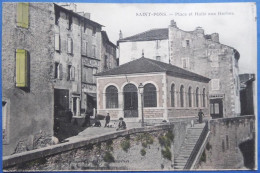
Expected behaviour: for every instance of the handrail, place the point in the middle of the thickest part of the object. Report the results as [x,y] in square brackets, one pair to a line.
[197,147]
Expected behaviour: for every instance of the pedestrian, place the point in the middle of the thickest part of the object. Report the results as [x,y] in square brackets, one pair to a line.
[69,115]
[107,120]
[201,115]
[87,120]
[121,124]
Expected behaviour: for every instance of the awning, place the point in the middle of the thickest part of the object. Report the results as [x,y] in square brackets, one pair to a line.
[92,95]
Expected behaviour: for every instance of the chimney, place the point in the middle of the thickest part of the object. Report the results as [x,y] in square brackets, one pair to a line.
[173,24]
[69,6]
[120,35]
[215,37]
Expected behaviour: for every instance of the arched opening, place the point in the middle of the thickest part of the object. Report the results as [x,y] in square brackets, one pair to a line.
[190,97]
[182,96]
[130,101]
[197,97]
[150,98]
[111,97]
[173,95]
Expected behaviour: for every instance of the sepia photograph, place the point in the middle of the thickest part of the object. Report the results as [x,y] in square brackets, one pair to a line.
[129,86]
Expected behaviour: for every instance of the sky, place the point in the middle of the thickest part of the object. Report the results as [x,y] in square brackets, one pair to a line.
[235,22]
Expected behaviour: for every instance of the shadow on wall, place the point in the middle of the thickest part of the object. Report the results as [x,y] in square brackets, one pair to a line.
[248,150]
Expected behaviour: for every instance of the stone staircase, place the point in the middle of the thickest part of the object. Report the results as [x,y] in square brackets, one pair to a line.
[192,136]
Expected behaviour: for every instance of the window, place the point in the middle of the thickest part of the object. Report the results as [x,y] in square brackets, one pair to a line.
[215,84]
[71,72]
[182,96]
[69,17]
[190,97]
[23,14]
[94,51]
[204,98]
[57,42]
[94,72]
[57,16]
[58,71]
[187,43]
[85,48]
[157,42]
[21,68]
[150,98]
[185,62]
[70,45]
[173,95]
[111,97]
[158,58]
[94,32]
[197,97]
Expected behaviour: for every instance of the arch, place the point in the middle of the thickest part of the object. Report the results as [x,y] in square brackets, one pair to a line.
[182,96]
[190,96]
[197,97]
[204,97]
[150,96]
[111,97]
[130,100]
[173,95]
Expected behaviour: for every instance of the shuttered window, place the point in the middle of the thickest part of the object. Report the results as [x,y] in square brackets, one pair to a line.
[84,48]
[23,14]
[57,42]
[21,68]
[70,46]
[71,73]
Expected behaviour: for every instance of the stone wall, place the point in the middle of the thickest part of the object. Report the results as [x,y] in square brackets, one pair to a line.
[30,111]
[134,149]
[223,148]
[211,59]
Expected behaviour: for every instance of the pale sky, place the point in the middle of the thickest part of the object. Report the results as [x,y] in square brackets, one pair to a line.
[237,28]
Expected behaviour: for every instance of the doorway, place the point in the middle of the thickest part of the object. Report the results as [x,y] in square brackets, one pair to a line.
[130,101]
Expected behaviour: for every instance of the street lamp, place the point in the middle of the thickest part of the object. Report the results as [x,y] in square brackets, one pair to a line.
[141,91]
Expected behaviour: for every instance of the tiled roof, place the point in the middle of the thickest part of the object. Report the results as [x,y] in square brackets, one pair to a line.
[153,34]
[145,65]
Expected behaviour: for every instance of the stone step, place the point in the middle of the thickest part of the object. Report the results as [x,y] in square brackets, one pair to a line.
[178,167]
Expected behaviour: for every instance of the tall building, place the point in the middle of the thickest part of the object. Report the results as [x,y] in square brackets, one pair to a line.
[27,76]
[196,52]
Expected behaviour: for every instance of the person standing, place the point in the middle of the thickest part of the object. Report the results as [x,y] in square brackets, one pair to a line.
[107,120]
[201,115]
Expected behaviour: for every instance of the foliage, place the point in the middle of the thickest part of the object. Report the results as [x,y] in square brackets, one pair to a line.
[203,157]
[125,145]
[127,137]
[109,145]
[164,141]
[169,135]
[143,152]
[166,153]
[144,144]
[108,157]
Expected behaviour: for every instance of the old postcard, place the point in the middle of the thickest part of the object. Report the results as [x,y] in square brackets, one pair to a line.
[147,86]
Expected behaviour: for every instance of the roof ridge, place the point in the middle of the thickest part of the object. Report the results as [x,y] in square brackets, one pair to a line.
[149,60]
[143,32]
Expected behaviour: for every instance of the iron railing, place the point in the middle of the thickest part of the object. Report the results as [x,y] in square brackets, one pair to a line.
[197,147]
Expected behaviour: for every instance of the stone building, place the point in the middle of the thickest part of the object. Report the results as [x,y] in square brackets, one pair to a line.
[77,56]
[109,59]
[27,87]
[196,52]
[170,92]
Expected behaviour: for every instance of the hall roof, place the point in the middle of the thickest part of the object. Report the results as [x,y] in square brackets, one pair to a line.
[145,65]
[153,34]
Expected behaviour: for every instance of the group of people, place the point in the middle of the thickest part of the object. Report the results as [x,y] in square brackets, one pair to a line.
[97,123]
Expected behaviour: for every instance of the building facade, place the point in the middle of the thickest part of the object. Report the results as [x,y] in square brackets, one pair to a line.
[196,52]
[169,92]
[27,76]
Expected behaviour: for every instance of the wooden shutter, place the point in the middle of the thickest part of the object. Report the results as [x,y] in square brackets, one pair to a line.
[70,45]
[21,68]
[57,42]
[60,73]
[72,73]
[23,15]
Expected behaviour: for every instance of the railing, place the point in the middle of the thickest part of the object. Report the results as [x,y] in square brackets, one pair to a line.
[197,147]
